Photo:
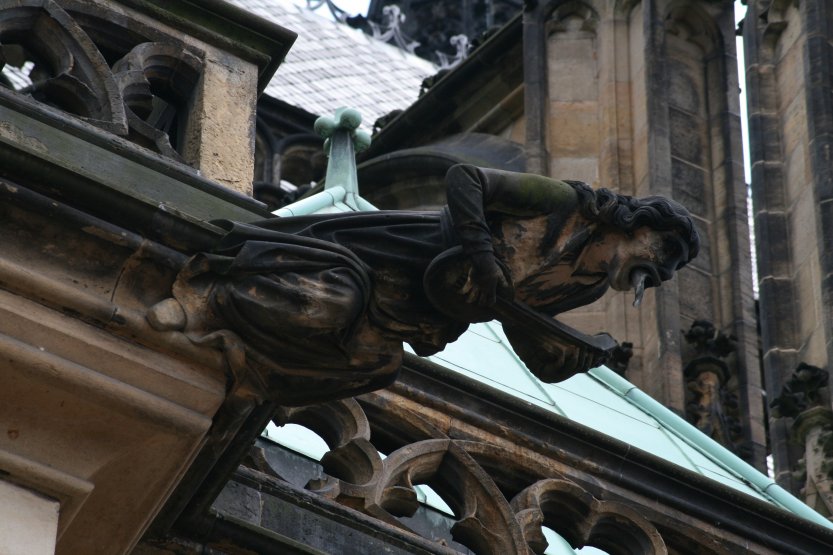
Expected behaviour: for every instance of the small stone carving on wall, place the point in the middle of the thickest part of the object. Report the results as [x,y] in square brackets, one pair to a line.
[712,405]
[805,399]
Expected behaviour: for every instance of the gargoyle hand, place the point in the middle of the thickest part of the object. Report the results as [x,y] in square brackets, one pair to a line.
[558,362]
[484,279]
[552,360]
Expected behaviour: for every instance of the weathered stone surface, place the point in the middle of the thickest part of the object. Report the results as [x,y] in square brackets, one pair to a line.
[689,186]
[687,141]
[225,108]
[105,413]
[683,90]
[240,502]
[697,302]
[166,315]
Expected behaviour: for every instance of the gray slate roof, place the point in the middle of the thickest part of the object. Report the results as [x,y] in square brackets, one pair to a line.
[332,65]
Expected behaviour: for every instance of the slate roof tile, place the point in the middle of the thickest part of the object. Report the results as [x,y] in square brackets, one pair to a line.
[332,65]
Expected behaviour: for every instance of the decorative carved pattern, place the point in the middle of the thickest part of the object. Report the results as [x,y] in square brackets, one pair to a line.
[344,427]
[391,30]
[432,24]
[66,69]
[465,474]
[146,94]
[461,45]
[157,81]
[583,520]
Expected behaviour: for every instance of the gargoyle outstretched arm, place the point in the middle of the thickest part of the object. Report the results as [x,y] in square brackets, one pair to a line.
[475,194]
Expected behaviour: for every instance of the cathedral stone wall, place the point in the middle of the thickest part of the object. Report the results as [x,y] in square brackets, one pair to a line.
[789,63]
[641,98]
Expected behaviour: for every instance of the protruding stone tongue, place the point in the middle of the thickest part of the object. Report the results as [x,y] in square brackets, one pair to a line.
[638,277]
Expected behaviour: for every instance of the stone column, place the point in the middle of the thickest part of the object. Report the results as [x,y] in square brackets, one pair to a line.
[789,77]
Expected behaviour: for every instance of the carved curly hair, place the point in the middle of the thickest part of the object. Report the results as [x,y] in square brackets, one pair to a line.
[628,213]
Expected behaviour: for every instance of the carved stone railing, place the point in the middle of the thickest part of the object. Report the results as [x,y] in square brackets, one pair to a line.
[487,520]
[505,477]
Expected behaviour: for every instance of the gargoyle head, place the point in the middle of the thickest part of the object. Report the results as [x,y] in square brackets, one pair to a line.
[645,240]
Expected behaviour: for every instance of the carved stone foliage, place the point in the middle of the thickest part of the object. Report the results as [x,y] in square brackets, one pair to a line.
[806,388]
[135,84]
[466,474]
[712,402]
[804,397]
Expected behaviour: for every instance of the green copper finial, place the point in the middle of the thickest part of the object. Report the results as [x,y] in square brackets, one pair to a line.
[343,140]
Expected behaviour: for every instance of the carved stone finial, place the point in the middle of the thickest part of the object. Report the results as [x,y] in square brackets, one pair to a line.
[393,19]
[343,139]
[461,44]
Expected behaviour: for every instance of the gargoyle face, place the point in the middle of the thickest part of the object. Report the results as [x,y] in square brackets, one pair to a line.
[645,258]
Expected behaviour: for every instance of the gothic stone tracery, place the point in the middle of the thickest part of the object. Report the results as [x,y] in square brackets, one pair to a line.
[121,76]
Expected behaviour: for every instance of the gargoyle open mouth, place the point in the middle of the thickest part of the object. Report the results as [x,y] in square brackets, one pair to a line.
[642,277]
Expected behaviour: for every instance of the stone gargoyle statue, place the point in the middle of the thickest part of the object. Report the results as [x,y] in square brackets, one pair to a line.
[320,305]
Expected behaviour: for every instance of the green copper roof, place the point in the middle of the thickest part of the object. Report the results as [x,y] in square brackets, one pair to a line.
[606,402]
